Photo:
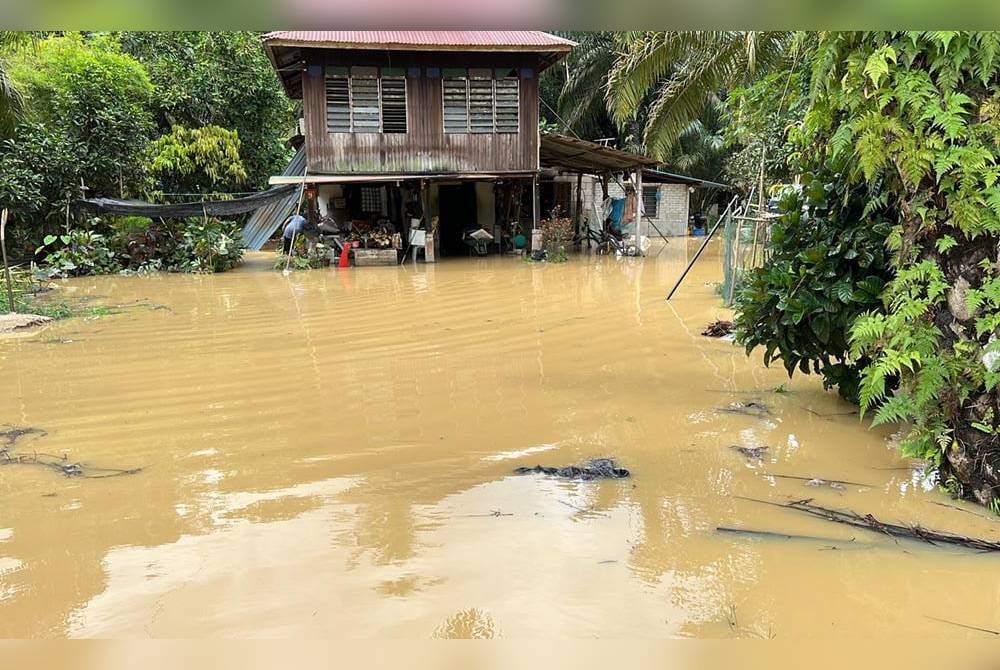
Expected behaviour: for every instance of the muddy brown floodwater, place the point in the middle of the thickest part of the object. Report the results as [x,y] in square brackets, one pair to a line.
[330,454]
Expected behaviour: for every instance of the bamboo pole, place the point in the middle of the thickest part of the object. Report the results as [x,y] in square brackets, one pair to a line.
[6,265]
[704,244]
[298,208]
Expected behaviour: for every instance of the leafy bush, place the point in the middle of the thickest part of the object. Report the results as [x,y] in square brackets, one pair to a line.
[78,253]
[207,246]
[918,114]
[94,98]
[557,235]
[141,244]
[828,266]
[193,245]
[218,79]
[304,257]
[198,159]
[86,119]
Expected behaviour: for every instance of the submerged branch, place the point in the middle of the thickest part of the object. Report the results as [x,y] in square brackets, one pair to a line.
[869,522]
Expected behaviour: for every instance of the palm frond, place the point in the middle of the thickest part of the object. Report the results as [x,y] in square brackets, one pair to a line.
[644,60]
[583,93]
[682,70]
[11,103]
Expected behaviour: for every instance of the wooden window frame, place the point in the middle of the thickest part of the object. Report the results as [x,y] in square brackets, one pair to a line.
[352,127]
[494,125]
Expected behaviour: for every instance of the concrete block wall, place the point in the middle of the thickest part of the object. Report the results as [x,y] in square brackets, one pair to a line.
[671,212]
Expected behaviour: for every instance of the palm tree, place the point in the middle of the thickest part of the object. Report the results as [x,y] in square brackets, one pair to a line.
[700,150]
[672,75]
[581,101]
[11,101]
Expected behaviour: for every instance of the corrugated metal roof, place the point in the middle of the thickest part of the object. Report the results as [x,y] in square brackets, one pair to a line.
[661,177]
[520,40]
[570,153]
[262,224]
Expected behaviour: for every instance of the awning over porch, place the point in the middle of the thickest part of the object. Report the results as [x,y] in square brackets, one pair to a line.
[576,155]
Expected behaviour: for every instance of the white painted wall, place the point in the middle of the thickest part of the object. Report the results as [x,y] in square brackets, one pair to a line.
[485,206]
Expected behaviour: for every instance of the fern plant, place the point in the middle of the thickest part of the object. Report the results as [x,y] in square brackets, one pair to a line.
[919,113]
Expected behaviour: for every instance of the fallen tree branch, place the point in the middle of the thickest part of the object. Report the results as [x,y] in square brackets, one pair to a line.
[869,522]
[818,479]
[769,534]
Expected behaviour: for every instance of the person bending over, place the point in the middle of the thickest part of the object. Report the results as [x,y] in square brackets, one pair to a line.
[293,226]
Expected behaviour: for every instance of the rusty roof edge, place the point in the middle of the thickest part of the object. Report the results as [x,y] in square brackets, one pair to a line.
[400,46]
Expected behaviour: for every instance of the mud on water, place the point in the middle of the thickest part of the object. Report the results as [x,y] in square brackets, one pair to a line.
[332,454]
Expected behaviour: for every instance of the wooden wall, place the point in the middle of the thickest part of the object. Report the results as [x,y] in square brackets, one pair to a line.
[424,148]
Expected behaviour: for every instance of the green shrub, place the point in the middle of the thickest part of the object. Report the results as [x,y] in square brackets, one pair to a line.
[207,246]
[304,257]
[557,235]
[78,253]
[192,245]
[828,265]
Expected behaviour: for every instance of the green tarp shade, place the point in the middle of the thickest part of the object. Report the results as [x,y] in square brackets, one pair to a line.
[223,208]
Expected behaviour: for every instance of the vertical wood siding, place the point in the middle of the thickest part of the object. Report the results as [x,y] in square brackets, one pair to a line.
[425,148]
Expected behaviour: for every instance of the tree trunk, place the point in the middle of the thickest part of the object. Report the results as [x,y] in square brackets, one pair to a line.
[971,466]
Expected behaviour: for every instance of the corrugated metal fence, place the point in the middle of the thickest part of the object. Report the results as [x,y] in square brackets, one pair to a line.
[267,219]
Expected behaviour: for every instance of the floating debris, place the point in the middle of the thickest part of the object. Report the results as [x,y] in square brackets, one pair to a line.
[838,484]
[11,322]
[61,464]
[816,481]
[869,522]
[598,468]
[751,408]
[772,535]
[12,434]
[749,452]
[718,329]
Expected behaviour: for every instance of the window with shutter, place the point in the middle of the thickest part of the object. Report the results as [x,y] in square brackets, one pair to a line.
[481,105]
[456,105]
[393,105]
[365,104]
[650,200]
[338,105]
[365,117]
[507,105]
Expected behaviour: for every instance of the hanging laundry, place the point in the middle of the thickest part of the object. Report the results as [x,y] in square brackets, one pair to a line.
[617,209]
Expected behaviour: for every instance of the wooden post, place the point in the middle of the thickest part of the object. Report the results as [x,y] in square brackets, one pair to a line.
[6,266]
[579,202]
[430,229]
[638,211]
[535,205]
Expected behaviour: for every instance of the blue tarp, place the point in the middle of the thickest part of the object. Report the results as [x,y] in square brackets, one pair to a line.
[617,209]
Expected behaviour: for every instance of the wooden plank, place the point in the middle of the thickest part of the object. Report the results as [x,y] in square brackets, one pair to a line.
[371,257]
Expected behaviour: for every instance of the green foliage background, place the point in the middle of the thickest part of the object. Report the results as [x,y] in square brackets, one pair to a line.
[134,114]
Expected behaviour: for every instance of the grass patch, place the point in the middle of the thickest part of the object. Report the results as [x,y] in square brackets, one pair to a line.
[32,297]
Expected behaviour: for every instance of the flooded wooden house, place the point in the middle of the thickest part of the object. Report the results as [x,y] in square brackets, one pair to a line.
[429,129]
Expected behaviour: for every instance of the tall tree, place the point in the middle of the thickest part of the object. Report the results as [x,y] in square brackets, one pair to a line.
[11,100]
[672,75]
[581,100]
[86,117]
[700,150]
[915,118]
[220,79]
